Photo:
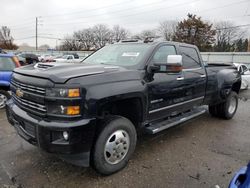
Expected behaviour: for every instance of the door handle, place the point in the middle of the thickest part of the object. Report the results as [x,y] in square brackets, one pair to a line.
[180,78]
[203,76]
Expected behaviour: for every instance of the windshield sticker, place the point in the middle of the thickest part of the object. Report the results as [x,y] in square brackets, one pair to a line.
[131,54]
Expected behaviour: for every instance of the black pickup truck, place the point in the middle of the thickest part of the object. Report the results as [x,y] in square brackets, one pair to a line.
[92,112]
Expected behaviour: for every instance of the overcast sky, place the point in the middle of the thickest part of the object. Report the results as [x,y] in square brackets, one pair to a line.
[57,18]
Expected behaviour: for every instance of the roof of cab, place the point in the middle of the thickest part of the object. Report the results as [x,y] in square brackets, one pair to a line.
[155,43]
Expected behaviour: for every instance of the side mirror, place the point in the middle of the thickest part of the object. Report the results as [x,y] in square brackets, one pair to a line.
[172,65]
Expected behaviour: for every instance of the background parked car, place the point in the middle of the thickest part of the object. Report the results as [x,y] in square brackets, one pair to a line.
[7,63]
[245,75]
[67,59]
[46,58]
[76,56]
[21,59]
[30,58]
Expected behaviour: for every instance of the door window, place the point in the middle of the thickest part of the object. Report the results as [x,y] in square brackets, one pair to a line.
[190,58]
[162,53]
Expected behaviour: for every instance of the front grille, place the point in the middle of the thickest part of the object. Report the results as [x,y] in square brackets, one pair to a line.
[30,104]
[29,88]
[32,99]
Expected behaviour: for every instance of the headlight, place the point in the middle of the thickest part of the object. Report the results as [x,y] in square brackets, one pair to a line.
[64,93]
[64,110]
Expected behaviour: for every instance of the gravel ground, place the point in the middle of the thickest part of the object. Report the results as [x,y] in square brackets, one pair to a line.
[203,152]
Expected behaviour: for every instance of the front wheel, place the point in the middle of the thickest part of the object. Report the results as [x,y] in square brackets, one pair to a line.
[4,96]
[114,145]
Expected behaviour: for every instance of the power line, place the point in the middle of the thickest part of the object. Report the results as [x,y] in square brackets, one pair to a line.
[77,12]
[124,10]
[70,13]
[30,37]
[18,25]
[172,6]
[180,4]
[237,26]
[141,13]
[24,28]
[224,6]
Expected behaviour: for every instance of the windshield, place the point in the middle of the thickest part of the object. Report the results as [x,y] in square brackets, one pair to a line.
[119,54]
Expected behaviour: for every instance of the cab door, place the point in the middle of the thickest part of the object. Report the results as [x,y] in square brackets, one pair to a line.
[194,75]
[167,90]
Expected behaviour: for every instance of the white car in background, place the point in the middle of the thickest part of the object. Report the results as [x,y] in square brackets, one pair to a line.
[245,75]
[68,59]
[45,58]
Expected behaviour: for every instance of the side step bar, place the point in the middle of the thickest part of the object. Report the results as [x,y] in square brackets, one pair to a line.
[158,126]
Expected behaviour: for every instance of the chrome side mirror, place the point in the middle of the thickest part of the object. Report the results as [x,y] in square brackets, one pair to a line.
[173,64]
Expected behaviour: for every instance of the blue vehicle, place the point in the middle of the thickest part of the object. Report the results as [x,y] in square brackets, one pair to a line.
[241,179]
[8,62]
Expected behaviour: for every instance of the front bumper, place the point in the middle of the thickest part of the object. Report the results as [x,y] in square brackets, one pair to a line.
[47,135]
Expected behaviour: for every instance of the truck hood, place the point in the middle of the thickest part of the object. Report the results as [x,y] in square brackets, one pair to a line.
[62,72]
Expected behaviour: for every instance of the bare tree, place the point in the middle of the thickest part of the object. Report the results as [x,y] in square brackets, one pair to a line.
[149,33]
[71,44]
[119,33]
[167,29]
[102,35]
[227,35]
[86,37]
[6,40]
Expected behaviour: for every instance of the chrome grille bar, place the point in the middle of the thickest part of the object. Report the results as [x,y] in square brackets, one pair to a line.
[28,87]
[35,106]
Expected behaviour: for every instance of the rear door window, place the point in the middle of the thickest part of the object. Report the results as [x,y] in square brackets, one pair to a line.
[190,57]
[7,64]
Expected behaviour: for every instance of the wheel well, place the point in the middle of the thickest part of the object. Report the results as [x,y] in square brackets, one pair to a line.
[129,108]
[236,86]
[5,88]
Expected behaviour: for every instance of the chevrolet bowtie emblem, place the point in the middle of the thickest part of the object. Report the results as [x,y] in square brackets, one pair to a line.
[19,93]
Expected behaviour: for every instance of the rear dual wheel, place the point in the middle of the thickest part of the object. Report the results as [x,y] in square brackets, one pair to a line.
[227,109]
[114,145]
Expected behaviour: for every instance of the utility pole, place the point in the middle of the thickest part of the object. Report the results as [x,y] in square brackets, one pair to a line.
[36,31]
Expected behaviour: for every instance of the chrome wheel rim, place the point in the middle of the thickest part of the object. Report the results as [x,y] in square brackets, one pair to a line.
[116,147]
[232,105]
[3,100]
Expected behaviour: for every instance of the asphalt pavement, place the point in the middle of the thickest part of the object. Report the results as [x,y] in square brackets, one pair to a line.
[204,152]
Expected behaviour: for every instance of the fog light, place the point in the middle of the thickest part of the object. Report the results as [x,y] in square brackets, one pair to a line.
[65,135]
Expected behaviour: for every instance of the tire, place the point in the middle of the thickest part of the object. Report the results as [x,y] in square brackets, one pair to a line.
[227,109]
[114,145]
[4,96]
